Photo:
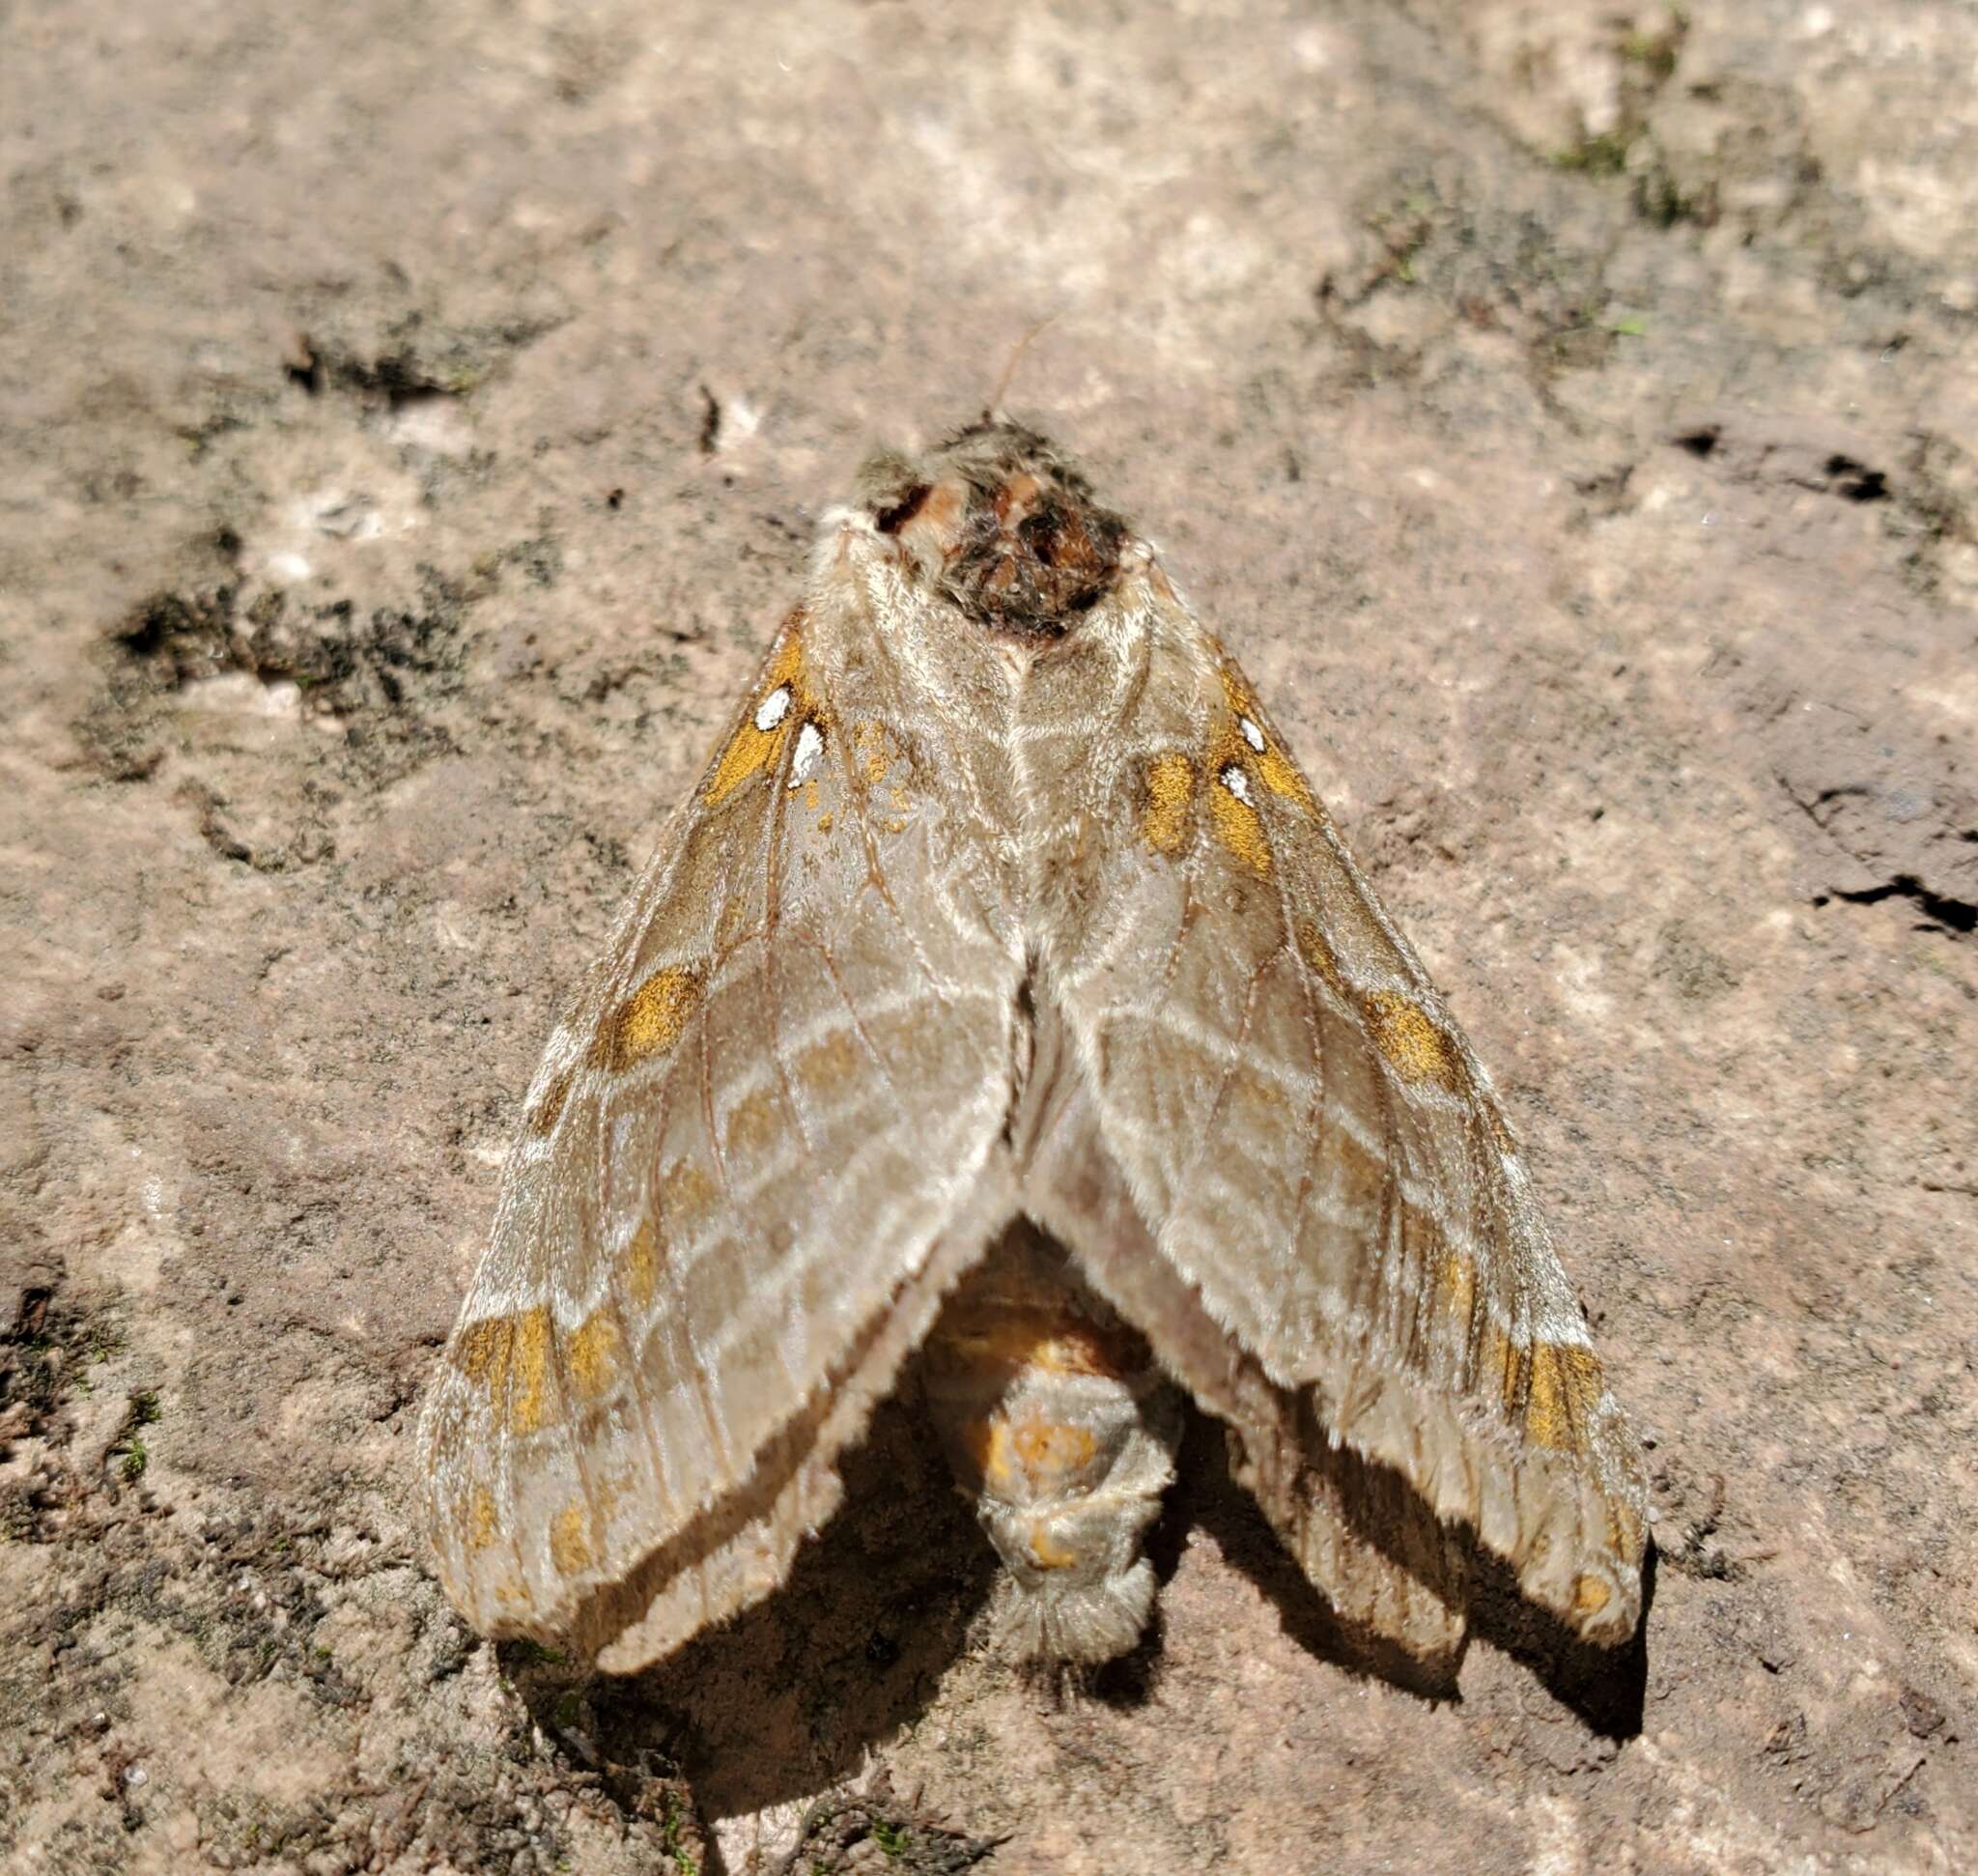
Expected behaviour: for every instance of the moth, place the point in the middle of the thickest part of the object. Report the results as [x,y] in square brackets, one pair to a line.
[1004,991]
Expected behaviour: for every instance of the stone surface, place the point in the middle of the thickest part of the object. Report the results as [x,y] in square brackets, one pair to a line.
[412,421]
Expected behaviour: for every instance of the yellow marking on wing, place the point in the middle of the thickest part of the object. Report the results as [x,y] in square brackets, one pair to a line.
[827,1066]
[1281,777]
[1321,959]
[529,1384]
[548,1108]
[810,799]
[1046,1552]
[685,1194]
[510,1354]
[1504,1359]
[1624,1529]
[1259,1094]
[1566,1384]
[875,761]
[1456,1285]
[640,1264]
[482,1353]
[481,1525]
[593,1355]
[570,1545]
[1416,1048]
[1270,764]
[651,1019]
[1170,790]
[752,1123]
[750,750]
[1590,1595]
[1238,827]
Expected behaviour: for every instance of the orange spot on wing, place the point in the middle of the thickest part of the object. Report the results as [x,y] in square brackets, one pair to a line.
[1270,764]
[594,1354]
[1416,1049]
[508,1356]
[1321,959]
[753,1123]
[750,750]
[1169,794]
[639,1263]
[1565,1387]
[481,1528]
[651,1019]
[1590,1595]
[1238,827]
[570,1545]
[1456,1285]
[829,1065]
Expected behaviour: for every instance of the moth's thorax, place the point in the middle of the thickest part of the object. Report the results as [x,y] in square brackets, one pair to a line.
[1000,527]
[1059,1425]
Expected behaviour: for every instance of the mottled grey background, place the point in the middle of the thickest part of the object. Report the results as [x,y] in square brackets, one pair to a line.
[412,421]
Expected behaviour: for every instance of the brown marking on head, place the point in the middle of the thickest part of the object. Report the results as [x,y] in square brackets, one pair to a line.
[1006,529]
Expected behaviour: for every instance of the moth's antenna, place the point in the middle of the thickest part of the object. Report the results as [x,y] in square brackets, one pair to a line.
[1023,344]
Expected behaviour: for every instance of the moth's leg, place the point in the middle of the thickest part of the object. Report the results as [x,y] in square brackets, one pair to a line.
[1059,1424]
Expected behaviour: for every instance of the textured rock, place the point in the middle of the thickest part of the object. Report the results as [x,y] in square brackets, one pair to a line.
[412,422]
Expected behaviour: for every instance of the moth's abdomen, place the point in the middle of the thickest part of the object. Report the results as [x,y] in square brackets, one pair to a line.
[1059,1424]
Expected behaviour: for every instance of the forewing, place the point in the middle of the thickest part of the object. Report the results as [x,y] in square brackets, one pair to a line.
[1319,1156]
[747,1163]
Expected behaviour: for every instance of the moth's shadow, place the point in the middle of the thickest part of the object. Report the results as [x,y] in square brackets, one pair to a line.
[786,1699]
[1604,1687]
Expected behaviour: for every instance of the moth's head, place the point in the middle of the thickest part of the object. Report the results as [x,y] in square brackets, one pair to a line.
[1000,524]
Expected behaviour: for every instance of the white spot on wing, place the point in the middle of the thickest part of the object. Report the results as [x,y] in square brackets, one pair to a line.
[773,709]
[1252,735]
[810,747]
[1237,783]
